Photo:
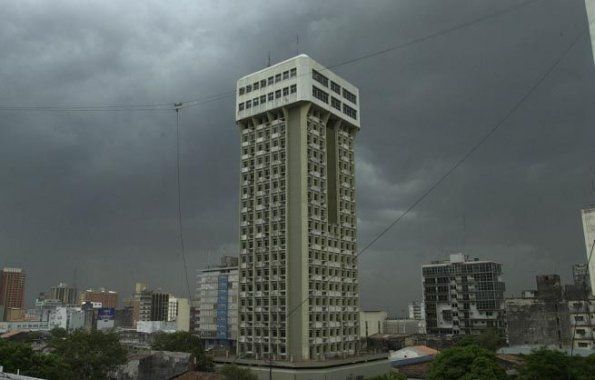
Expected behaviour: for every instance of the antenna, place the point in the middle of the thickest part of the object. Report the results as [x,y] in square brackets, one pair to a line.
[297,44]
[269,60]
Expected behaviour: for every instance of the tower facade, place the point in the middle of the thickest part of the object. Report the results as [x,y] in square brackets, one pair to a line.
[12,290]
[299,294]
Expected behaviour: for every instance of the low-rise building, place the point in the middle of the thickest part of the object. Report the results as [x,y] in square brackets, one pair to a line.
[149,327]
[372,322]
[404,326]
[582,323]
[68,318]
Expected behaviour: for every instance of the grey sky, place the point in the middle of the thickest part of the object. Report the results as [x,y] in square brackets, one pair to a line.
[97,191]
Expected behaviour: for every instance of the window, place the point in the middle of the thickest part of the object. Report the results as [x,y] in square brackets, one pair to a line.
[277,94]
[241,106]
[248,104]
[293,88]
[248,88]
[319,78]
[336,103]
[242,90]
[319,94]
[286,91]
[293,72]
[256,85]
[286,75]
[335,87]
[271,80]
[349,96]
[263,98]
[263,83]
[277,78]
[271,96]
[349,111]
[255,102]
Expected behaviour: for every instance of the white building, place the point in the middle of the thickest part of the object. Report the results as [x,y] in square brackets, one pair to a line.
[172,308]
[404,326]
[299,295]
[588,216]
[68,318]
[150,327]
[582,323]
[183,316]
[417,310]
[216,304]
[371,322]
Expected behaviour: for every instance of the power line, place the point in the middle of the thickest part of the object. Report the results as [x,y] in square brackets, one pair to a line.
[474,148]
[227,94]
[464,158]
[180,224]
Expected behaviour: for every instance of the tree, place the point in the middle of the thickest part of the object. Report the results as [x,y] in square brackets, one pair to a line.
[545,364]
[491,339]
[182,341]
[20,357]
[466,363]
[233,372]
[90,355]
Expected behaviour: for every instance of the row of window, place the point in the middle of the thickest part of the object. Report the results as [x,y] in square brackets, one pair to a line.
[317,76]
[323,96]
[269,97]
[271,80]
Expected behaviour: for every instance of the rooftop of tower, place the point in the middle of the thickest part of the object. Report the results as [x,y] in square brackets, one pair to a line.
[298,79]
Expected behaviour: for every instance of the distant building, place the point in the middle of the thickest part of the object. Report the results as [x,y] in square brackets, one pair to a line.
[216,304]
[12,292]
[417,310]
[582,323]
[404,326]
[549,287]
[67,317]
[588,216]
[580,276]
[172,308]
[372,322]
[183,317]
[159,306]
[463,296]
[149,327]
[66,294]
[537,322]
[103,297]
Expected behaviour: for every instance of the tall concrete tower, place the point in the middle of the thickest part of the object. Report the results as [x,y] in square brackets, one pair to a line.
[299,295]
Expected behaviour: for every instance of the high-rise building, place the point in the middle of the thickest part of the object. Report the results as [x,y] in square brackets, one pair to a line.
[299,295]
[216,304]
[67,294]
[12,291]
[100,297]
[172,308]
[463,296]
[588,216]
[159,306]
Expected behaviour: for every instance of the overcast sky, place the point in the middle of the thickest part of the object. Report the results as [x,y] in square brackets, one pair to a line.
[95,192]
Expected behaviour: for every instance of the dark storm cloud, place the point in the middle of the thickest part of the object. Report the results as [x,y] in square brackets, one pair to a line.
[96,192]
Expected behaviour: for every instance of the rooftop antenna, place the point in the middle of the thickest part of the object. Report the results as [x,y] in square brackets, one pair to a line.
[297,44]
[269,60]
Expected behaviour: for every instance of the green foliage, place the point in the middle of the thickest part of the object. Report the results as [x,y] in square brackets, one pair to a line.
[491,339]
[182,341]
[389,376]
[468,362]
[233,372]
[545,364]
[58,333]
[90,355]
[20,357]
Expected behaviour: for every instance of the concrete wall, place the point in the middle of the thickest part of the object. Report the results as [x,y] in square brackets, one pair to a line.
[360,371]
[371,322]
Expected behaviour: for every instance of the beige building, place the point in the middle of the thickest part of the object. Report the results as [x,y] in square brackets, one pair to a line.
[299,295]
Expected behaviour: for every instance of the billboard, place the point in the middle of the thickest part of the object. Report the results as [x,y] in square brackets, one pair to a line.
[105,318]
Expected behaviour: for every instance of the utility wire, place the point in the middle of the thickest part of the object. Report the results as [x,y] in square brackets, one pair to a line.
[180,224]
[464,158]
[474,148]
[228,94]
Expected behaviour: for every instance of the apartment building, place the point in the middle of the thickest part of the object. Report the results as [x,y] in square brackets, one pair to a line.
[463,296]
[299,295]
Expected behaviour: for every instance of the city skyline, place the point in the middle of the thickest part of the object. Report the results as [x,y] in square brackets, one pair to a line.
[108,181]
